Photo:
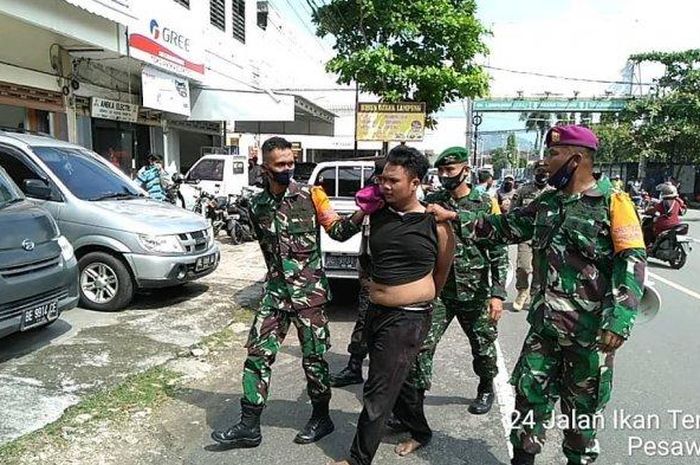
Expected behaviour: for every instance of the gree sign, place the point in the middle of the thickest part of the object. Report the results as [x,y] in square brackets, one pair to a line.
[552,105]
[165,37]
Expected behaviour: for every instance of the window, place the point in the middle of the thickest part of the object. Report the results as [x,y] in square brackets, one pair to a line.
[185,3]
[8,192]
[326,179]
[238,15]
[217,14]
[207,170]
[85,174]
[349,180]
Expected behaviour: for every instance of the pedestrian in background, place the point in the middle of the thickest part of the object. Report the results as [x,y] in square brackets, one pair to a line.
[522,198]
[153,177]
[589,268]
[287,217]
[505,193]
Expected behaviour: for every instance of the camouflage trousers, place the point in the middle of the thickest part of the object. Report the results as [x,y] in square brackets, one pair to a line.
[358,341]
[474,319]
[550,368]
[523,268]
[266,335]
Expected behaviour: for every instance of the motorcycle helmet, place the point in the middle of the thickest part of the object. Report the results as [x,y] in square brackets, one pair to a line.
[668,191]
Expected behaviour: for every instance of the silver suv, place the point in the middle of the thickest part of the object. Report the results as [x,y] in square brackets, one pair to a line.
[38,271]
[123,239]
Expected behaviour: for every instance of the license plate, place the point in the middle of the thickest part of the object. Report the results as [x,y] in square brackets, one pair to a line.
[204,263]
[341,262]
[40,315]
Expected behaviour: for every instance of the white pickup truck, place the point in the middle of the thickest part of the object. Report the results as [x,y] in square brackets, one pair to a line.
[341,180]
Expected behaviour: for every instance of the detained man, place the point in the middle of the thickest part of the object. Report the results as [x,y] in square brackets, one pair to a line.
[412,255]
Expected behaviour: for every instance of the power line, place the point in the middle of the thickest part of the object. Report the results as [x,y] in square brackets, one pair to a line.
[565,78]
[303,22]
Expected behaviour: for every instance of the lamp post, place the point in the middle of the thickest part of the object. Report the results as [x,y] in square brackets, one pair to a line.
[477,120]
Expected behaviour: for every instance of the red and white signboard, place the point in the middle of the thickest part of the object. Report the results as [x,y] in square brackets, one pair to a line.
[163,37]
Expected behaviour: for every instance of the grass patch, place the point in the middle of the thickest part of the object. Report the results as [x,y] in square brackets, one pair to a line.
[227,336]
[148,389]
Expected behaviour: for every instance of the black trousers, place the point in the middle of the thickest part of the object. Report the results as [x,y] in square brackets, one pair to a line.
[394,337]
[358,341]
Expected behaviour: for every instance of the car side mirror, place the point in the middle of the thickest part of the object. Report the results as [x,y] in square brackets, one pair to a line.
[37,188]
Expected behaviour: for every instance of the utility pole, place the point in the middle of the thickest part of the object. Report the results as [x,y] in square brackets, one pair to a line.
[477,120]
[357,102]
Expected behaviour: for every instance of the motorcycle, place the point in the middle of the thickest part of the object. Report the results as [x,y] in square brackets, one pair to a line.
[172,192]
[213,208]
[671,246]
[239,225]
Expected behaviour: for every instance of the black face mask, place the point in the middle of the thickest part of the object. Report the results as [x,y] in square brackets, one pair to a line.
[452,182]
[541,179]
[282,177]
[562,177]
[507,186]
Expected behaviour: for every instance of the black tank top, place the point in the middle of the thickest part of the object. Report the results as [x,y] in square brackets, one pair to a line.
[404,247]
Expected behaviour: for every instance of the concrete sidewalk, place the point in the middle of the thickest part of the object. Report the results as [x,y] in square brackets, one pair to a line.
[44,372]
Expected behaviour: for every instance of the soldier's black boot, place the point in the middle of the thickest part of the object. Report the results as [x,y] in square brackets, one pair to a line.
[351,374]
[318,426]
[520,457]
[484,398]
[245,433]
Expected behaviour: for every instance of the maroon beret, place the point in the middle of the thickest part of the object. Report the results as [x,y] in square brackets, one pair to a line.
[571,135]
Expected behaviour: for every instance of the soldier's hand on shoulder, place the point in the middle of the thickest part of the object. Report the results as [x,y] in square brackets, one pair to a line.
[442,214]
[609,341]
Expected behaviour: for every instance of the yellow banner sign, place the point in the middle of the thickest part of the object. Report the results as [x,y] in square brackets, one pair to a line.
[390,121]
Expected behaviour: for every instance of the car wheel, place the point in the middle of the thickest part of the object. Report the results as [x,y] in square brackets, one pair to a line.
[105,282]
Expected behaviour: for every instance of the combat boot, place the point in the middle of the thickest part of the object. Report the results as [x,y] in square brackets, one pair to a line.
[351,374]
[245,433]
[520,457]
[318,426]
[484,398]
[521,300]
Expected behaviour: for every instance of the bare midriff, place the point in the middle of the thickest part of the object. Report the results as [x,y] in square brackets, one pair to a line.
[403,295]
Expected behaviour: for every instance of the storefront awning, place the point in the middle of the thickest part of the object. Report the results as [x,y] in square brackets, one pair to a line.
[237,105]
[119,11]
[309,119]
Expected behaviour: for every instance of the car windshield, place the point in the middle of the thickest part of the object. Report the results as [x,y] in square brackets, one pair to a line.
[8,192]
[87,177]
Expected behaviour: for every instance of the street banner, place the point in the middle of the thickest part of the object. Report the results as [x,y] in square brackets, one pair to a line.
[390,121]
[114,110]
[163,91]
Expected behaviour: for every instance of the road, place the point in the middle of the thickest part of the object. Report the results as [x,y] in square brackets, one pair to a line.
[656,372]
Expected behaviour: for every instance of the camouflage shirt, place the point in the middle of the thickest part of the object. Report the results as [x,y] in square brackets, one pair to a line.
[527,193]
[288,232]
[589,259]
[479,271]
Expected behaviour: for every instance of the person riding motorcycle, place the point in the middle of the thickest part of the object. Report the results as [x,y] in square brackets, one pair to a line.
[666,213]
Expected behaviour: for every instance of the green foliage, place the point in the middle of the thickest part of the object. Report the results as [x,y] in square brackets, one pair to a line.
[508,156]
[665,125]
[538,122]
[418,50]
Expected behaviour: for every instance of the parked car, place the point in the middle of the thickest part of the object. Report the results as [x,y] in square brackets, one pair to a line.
[341,180]
[123,240]
[38,269]
[218,175]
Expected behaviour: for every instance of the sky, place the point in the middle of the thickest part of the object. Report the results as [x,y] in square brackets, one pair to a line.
[574,38]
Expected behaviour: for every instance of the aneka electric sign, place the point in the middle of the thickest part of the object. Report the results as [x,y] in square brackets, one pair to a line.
[163,38]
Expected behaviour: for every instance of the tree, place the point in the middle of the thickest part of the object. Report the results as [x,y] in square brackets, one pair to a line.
[418,50]
[512,151]
[538,122]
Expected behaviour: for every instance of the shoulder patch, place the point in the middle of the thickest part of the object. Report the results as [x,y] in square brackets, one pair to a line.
[626,231]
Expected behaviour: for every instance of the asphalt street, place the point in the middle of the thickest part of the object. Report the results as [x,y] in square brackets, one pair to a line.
[656,374]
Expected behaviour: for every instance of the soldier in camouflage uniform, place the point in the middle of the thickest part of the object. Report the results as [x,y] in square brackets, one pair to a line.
[287,217]
[522,198]
[475,288]
[352,373]
[589,267]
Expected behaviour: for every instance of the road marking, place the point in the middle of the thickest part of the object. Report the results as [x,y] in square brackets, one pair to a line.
[694,240]
[505,396]
[504,391]
[678,287]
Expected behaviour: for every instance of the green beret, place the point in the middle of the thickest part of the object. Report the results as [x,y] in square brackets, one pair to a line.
[452,155]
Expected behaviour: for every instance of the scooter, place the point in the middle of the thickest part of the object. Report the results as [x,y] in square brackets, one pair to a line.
[213,208]
[671,246]
[172,192]
[239,225]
